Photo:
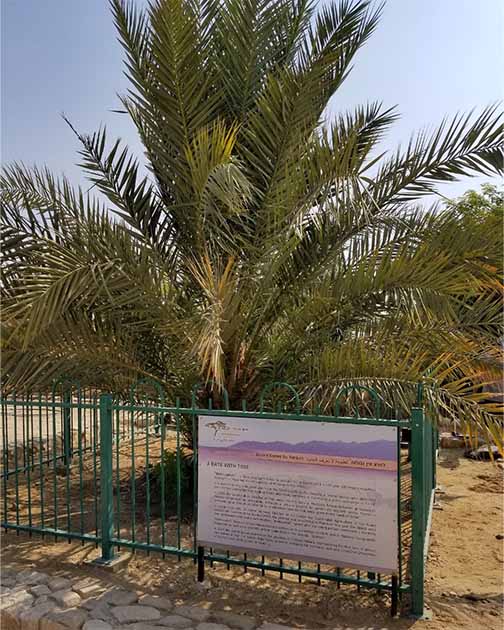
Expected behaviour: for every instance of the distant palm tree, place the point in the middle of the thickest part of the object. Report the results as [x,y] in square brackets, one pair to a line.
[268,240]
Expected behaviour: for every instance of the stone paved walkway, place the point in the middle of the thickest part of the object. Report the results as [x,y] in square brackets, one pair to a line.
[31,600]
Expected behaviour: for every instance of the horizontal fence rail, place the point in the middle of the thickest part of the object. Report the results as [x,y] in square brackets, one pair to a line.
[78,465]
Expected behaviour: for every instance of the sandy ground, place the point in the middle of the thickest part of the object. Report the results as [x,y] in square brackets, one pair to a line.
[33,425]
[464,574]
[20,425]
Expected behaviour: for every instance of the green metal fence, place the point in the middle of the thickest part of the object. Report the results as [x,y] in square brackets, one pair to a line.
[82,465]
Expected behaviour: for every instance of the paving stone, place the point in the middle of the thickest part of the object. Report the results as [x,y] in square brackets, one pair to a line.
[96,624]
[8,582]
[39,590]
[12,607]
[7,572]
[49,623]
[42,600]
[18,588]
[102,611]
[119,597]
[193,612]
[233,620]
[157,601]
[274,626]
[59,584]
[87,587]
[31,578]
[46,623]
[139,626]
[66,598]
[176,622]
[72,618]
[30,619]
[15,598]
[211,626]
[131,614]
[10,590]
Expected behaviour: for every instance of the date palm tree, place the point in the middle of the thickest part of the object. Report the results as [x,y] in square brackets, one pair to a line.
[259,238]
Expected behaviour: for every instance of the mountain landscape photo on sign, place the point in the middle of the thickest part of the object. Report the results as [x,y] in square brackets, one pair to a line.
[376,449]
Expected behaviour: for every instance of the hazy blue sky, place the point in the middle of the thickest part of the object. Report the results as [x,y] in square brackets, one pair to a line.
[430,57]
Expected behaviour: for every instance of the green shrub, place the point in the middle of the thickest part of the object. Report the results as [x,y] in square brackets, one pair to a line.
[168,467]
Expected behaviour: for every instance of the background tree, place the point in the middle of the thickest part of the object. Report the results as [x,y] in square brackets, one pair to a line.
[483,211]
[484,208]
[267,241]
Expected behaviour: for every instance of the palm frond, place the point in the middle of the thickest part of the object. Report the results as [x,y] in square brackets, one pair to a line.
[464,146]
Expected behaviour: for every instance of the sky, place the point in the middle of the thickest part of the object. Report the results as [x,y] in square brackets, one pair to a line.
[429,57]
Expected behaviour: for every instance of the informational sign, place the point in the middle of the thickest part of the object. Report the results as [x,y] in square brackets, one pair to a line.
[317,491]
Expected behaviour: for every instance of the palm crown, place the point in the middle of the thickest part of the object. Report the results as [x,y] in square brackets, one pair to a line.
[267,241]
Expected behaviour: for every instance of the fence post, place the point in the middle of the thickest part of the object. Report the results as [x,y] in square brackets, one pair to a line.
[418,516]
[106,488]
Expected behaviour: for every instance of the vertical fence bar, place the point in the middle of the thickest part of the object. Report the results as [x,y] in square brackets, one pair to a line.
[29,456]
[5,457]
[41,465]
[66,399]
[428,481]
[95,461]
[48,433]
[54,460]
[434,452]
[67,420]
[418,516]
[80,434]
[428,466]
[420,395]
[147,477]
[163,481]
[16,462]
[133,477]
[118,478]
[177,480]
[106,485]
[23,428]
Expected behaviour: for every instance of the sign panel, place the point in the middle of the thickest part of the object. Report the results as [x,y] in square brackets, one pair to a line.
[317,491]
